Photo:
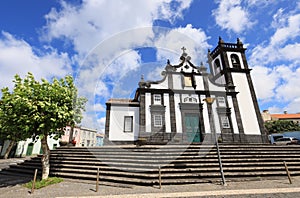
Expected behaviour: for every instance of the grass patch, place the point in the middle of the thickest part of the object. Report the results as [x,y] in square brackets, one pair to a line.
[43,183]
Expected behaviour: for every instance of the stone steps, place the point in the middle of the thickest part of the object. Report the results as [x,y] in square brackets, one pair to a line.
[179,164]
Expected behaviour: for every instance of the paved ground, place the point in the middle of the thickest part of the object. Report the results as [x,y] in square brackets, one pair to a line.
[279,188]
[74,188]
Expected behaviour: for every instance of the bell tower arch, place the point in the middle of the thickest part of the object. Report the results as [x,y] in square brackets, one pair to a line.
[228,65]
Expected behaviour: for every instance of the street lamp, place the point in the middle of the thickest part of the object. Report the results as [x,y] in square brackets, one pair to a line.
[209,102]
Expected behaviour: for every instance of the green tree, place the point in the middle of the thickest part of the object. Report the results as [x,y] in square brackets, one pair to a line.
[14,124]
[279,126]
[45,108]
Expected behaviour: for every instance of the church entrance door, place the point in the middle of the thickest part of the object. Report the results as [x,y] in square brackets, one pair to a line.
[192,128]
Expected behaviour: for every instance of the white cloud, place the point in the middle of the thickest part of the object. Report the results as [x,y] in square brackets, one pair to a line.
[277,76]
[281,46]
[291,52]
[101,124]
[93,21]
[288,32]
[105,30]
[260,3]
[18,57]
[265,81]
[230,15]
[193,39]
[288,89]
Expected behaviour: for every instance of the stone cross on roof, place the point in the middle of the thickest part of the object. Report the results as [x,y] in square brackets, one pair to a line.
[183,49]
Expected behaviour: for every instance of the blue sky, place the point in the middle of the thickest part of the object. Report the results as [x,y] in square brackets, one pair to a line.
[108,45]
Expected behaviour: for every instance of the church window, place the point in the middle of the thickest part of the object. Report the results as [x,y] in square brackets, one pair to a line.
[157,120]
[235,60]
[157,99]
[68,131]
[190,100]
[225,122]
[128,123]
[217,66]
[188,81]
[221,101]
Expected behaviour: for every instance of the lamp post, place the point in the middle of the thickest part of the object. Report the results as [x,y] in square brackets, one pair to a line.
[209,102]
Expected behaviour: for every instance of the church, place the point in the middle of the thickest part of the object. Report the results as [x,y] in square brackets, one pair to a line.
[190,105]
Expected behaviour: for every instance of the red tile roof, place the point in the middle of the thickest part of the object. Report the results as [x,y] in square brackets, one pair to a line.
[286,116]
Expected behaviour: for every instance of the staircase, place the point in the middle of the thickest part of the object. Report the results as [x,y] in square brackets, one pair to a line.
[179,164]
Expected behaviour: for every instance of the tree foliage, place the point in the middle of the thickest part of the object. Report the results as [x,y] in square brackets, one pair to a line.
[38,109]
[279,126]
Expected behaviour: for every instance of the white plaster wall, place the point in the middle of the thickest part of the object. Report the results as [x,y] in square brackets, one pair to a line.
[178,113]
[162,85]
[221,80]
[246,106]
[183,96]
[4,147]
[216,116]
[233,116]
[177,81]
[167,113]
[207,128]
[116,127]
[23,146]
[240,59]
[199,82]
[213,87]
[147,112]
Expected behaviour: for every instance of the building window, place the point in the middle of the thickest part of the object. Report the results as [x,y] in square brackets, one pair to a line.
[157,99]
[217,66]
[67,131]
[225,122]
[221,101]
[128,123]
[188,81]
[158,121]
[235,61]
[190,100]
[75,133]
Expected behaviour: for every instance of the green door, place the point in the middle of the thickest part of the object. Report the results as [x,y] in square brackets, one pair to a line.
[29,149]
[192,128]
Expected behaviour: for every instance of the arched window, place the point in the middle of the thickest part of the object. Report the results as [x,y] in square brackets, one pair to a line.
[235,61]
[217,66]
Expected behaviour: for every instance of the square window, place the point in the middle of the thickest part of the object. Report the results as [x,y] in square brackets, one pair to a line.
[157,99]
[188,81]
[158,120]
[225,122]
[221,101]
[128,123]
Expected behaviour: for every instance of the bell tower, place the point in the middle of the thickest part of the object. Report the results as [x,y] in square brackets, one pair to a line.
[229,67]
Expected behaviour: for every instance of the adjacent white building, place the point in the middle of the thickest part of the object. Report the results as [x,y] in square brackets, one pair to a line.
[189,104]
[82,136]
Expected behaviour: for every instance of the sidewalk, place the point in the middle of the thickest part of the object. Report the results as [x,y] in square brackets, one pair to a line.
[76,188]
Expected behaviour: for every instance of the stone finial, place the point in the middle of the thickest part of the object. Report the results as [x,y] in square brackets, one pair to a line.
[220,40]
[202,68]
[239,42]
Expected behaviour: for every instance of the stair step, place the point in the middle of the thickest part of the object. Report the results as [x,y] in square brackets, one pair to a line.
[179,164]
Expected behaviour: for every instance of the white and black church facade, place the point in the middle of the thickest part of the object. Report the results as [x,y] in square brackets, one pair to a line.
[189,104]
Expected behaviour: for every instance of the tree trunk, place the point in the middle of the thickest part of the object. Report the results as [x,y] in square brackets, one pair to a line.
[45,158]
[11,144]
[71,135]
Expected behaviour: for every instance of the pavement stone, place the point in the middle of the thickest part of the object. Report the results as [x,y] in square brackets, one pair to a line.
[76,188]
